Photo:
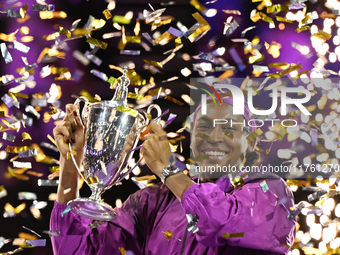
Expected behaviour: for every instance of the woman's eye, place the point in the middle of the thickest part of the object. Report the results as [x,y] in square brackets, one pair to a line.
[229,128]
[203,126]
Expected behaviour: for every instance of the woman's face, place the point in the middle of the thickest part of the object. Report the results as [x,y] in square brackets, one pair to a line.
[224,144]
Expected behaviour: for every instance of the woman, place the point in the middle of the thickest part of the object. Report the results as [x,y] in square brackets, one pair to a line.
[250,218]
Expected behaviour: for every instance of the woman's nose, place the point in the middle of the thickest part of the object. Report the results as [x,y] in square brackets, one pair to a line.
[217,134]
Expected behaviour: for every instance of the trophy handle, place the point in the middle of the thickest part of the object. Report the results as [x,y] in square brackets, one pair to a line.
[84,114]
[159,113]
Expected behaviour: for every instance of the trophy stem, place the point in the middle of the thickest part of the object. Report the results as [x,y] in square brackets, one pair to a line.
[96,192]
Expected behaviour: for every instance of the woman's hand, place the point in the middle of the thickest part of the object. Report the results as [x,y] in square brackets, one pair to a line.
[156,149]
[70,130]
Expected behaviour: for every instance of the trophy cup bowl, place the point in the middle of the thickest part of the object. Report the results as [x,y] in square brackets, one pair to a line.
[112,132]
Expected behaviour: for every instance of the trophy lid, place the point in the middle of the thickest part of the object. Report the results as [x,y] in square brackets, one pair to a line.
[121,92]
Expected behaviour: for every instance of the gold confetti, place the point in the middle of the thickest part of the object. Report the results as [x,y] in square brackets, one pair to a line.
[253,135]
[52,139]
[64,31]
[68,155]
[161,23]
[54,169]
[274,49]
[165,38]
[228,235]
[107,14]
[35,173]
[322,35]
[238,181]
[27,236]
[130,111]
[236,12]
[148,115]
[154,63]
[16,149]
[204,28]
[197,5]
[277,8]
[121,20]
[23,10]
[303,28]
[26,136]
[122,250]
[96,42]
[278,64]
[126,39]
[260,15]
[283,19]
[229,134]
[174,100]
[203,136]
[8,38]
[146,178]
[168,234]
[52,15]
[9,208]
[54,110]
[136,30]
[135,96]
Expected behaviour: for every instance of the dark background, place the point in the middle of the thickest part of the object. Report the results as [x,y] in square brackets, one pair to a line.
[180,11]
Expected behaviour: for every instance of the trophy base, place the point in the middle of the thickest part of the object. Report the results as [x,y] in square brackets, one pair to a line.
[95,210]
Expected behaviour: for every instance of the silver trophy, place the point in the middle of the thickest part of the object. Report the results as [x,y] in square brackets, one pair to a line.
[111,134]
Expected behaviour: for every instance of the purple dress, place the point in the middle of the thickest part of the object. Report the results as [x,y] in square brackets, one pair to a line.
[258,213]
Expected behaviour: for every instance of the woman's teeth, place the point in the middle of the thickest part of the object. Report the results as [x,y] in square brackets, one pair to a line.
[215,153]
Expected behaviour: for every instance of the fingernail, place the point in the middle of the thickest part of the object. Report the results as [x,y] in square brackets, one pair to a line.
[75,113]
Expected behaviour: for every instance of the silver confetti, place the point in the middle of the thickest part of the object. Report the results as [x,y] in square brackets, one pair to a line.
[5,53]
[27,195]
[36,242]
[43,7]
[96,224]
[8,137]
[28,153]
[20,47]
[93,58]
[55,232]
[18,164]
[130,52]
[42,182]
[80,57]
[31,231]
[101,75]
